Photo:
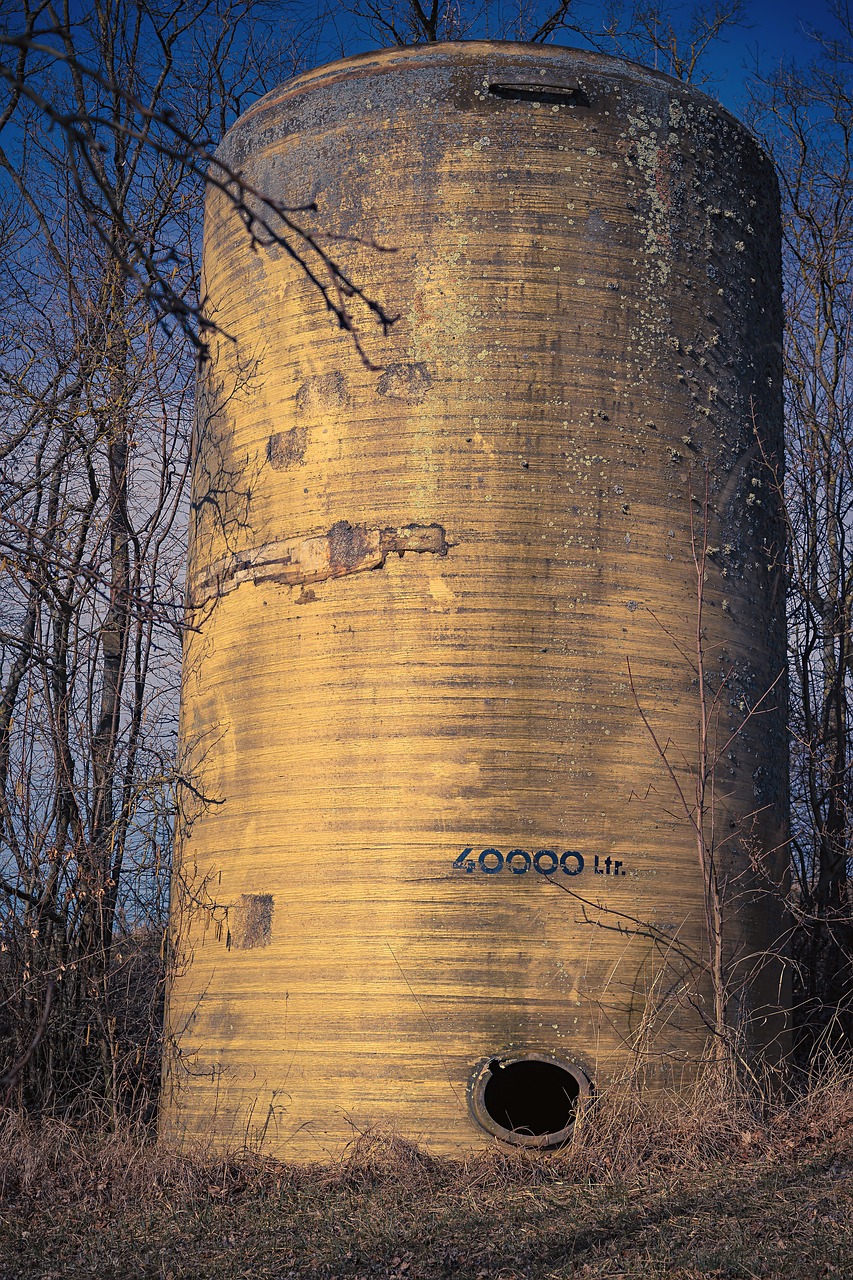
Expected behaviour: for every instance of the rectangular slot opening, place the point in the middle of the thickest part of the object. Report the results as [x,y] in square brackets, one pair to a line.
[556,95]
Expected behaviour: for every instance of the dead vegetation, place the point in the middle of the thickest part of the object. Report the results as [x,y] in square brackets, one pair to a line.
[718,1182]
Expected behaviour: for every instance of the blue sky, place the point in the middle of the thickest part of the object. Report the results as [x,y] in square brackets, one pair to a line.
[777,30]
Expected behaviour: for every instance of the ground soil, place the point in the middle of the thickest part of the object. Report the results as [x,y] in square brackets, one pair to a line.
[734,1191]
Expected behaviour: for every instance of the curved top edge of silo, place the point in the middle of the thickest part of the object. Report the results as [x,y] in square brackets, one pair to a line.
[379,61]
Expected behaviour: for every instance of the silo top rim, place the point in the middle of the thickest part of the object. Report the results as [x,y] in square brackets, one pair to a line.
[379,61]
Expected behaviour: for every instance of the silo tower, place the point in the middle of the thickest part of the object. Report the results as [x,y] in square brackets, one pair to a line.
[443,681]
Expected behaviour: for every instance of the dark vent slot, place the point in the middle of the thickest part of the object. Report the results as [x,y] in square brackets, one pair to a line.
[558,95]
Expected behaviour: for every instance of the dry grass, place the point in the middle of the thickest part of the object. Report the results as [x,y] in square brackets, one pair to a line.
[715,1183]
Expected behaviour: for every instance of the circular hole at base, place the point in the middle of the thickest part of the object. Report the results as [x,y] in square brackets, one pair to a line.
[530,1100]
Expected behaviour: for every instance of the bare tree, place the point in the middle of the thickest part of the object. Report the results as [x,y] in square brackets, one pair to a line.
[805,117]
[673,38]
[128,89]
[101,194]
[106,143]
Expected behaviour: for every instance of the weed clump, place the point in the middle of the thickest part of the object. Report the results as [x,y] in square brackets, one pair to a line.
[713,1179]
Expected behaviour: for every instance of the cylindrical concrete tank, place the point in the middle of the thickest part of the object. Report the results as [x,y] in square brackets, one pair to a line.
[443,694]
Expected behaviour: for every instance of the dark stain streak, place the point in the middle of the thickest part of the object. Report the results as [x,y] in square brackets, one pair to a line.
[323,391]
[349,546]
[287,448]
[408,382]
[252,921]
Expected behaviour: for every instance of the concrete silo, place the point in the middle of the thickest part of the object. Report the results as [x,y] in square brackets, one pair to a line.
[437,874]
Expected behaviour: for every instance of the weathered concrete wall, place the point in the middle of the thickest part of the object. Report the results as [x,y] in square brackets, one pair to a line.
[416,589]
